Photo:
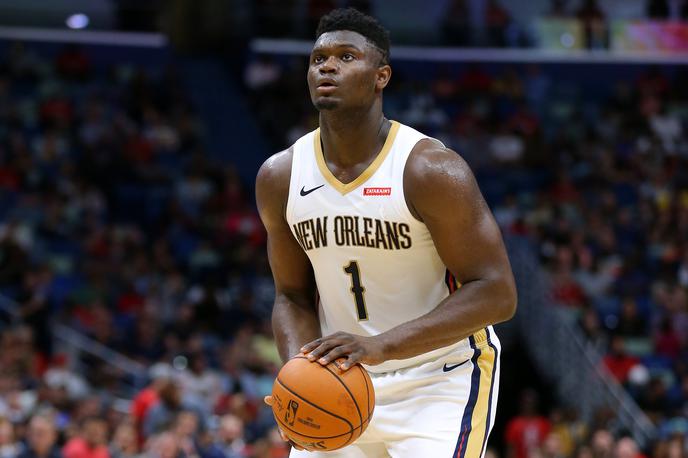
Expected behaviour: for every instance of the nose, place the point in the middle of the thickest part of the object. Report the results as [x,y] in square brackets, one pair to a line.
[329,66]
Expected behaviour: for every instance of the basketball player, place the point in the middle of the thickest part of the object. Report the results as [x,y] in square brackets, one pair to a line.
[384,252]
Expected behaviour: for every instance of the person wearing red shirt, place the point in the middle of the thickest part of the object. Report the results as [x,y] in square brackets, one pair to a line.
[526,432]
[618,362]
[91,442]
[159,374]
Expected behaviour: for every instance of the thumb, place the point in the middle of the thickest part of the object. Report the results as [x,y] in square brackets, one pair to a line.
[268,400]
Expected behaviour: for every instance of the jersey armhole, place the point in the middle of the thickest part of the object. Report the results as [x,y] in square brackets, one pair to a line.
[293,172]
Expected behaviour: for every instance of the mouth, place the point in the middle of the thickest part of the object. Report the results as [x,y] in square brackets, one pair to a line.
[327,83]
[326,88]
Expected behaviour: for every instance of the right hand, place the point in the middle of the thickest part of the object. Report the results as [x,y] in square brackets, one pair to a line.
[285,438]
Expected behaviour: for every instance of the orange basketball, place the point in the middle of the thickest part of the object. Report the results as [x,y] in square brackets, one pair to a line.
[321,407]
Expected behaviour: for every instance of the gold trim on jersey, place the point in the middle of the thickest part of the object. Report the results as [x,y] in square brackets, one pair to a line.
[345,188]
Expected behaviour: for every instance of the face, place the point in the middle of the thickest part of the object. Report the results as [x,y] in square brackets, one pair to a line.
[95,431]
[163,446]
[187,424]
[6,432]
[231,428]
[626,448]
[602,442]
[125,437]
[41,435]
[345,71]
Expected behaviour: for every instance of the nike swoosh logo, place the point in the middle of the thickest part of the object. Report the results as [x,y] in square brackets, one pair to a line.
[451,368]
[305,193]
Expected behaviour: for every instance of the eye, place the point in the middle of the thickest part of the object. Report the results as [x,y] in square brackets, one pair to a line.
[318,59]
[347,57]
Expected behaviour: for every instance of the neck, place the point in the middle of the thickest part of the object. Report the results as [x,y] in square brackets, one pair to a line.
[352,137]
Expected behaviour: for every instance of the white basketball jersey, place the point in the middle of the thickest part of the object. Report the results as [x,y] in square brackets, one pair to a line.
[375,265]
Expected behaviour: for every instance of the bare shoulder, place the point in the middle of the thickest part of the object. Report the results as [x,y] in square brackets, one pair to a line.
[272,184]
[436,174]
[431,160]
[276,170]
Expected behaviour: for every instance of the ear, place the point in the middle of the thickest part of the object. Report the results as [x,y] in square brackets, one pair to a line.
[384,73]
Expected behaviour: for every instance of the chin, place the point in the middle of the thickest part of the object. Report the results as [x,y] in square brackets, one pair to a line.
[325,104]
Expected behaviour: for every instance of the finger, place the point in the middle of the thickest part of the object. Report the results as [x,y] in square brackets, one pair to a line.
[310,346]
[268,400]
[353,358]
[336,352]
[339,336]
[324,349]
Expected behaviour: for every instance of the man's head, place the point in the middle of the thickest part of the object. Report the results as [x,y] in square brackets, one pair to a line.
[94,430]
[349,64]
[626,448]
[160,374]
[170,395]
[186,424]
[354,21]
[602,443]
[42,434]
[164,445]
[231,428]
[6,431]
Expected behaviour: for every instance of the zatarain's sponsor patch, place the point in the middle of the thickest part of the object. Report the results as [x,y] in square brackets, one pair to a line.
[377,191]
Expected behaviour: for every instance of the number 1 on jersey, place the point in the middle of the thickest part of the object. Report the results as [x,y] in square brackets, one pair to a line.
[357,290]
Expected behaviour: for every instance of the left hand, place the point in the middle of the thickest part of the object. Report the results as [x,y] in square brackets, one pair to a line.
[356,349]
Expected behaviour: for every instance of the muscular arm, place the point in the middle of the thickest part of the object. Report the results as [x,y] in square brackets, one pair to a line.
[441,191]
[294,316]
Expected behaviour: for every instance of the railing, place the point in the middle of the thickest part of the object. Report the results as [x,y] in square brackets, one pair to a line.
[562,353]
[281,46]
[83,351]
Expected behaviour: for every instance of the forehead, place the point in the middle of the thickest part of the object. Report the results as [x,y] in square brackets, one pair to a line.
[341,38]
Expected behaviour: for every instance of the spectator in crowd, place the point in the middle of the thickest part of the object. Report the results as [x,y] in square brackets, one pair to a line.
[497,21]
[160,375]
[526,433]
[124,442]
[231,437]
[186,430]
[602,444]
[456,29]
[630,324]
[199,381]
[164,445]
[594,24]
[618,362]
[41,438]
[627,448]
[90,441]
[9,447]
[162,415]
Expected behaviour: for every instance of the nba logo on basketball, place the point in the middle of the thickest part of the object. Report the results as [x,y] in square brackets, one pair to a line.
[290,414]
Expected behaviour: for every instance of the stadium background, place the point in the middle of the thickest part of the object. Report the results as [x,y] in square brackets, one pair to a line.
[134,287]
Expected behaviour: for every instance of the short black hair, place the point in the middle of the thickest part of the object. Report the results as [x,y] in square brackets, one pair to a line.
[353,20]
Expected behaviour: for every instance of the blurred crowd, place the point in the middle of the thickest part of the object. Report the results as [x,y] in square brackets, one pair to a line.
[594,171]
[465,23]
[561,433]
[115,223]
